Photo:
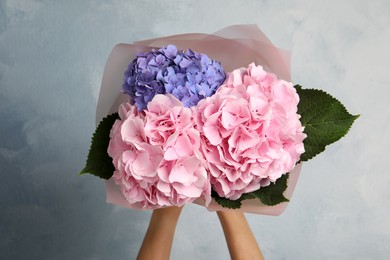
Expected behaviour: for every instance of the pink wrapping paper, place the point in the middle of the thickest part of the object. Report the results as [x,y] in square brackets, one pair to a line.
[235,46]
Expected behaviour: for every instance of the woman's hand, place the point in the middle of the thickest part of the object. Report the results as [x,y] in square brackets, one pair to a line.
[159,236]
[239,237]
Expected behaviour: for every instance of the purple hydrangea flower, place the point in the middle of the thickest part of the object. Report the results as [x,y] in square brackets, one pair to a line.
[189,76]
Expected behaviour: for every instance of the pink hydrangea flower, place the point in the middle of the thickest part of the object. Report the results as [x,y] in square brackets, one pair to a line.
[156,155]
[250,131]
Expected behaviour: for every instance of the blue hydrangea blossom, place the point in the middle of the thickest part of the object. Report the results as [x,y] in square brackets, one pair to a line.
[189,76]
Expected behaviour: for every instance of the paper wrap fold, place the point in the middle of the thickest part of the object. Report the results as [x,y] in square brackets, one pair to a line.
[235,46]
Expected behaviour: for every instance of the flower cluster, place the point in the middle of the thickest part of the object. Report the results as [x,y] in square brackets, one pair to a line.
[236,141]
[251,129]
[155,155]
[189,76]
[191,133]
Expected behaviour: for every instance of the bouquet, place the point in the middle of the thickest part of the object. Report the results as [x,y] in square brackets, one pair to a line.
[208,119]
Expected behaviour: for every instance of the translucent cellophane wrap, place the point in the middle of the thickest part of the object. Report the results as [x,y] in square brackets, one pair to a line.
[235,46]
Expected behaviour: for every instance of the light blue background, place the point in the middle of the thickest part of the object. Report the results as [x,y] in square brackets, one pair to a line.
[52,55]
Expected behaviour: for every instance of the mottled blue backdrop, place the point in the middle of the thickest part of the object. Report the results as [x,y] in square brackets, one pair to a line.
[52,55]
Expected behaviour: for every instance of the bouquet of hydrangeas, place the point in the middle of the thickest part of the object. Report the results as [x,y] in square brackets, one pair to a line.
[216,123]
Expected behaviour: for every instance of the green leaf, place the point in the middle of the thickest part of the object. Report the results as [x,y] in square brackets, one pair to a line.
[325,119]
[273,194]
[226,203]
[270,195]
[230,204]
[99,163]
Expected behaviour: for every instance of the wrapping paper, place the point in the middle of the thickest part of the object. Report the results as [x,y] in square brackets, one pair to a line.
[235,46]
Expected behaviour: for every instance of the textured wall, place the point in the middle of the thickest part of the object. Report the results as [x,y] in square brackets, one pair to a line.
[52,55]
